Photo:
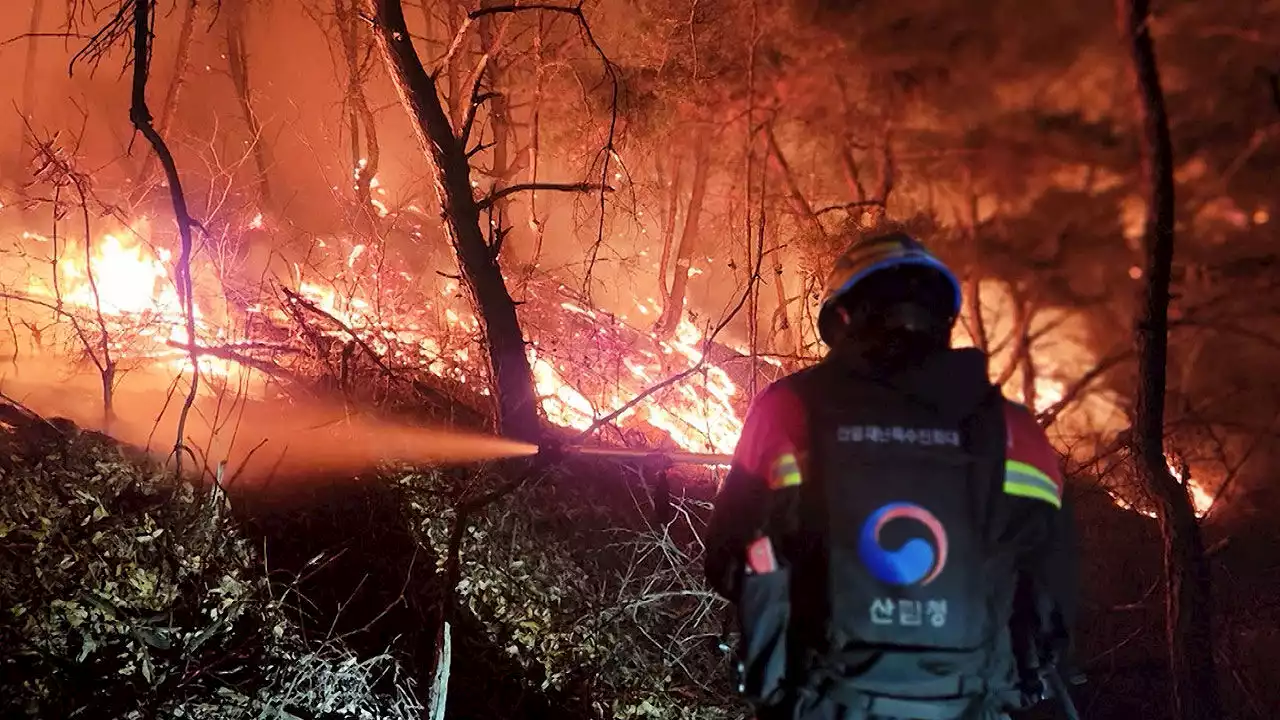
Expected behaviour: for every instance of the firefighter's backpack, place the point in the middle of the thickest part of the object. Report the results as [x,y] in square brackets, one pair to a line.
[876,578]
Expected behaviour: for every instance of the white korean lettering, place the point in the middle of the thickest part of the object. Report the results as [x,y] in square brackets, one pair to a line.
[909,613]
[882,611]
[936,610]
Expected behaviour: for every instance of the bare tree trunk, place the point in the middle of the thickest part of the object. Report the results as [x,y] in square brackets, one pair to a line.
[365,155]
[673,308]
[977,323]
[492,31]
[781,324]
[1030,395]
[1020,352]
[180,62]
[1189,608]
[513,380]
[672,196]
[238,63]
[438,697]
[29,95]
[536,224]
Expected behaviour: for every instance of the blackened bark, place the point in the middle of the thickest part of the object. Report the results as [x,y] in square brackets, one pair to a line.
[517,402]
[492,34]
[1188,601]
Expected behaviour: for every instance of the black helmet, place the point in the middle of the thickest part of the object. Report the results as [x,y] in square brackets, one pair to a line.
[885,256]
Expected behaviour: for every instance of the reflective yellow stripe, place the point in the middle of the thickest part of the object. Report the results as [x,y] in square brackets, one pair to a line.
[1028,481]
[785,472]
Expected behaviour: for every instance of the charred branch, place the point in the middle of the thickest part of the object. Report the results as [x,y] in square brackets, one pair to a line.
[546,7]
[582,187]
[672,198]
[477,99]
[180,62]
[852,174]
[798,201]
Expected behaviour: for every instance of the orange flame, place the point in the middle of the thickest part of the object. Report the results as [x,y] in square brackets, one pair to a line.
[125,288]
[442,337]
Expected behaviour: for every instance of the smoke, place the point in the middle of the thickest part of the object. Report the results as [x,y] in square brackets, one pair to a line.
[256,438]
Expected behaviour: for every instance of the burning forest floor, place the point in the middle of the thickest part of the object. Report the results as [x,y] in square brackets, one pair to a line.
[367,327]
[358,526]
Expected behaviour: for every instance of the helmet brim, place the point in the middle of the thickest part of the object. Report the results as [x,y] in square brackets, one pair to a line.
[826,314]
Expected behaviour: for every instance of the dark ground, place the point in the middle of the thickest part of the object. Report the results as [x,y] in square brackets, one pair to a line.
[377,587]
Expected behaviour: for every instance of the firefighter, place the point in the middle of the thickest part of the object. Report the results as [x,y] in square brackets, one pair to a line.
[892,532]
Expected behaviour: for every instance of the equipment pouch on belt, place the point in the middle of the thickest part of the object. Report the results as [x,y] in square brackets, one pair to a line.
[764,613]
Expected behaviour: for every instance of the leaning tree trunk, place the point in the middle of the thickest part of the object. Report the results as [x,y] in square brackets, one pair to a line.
[513,380]
[672,197]
[1188,602]
[673,302]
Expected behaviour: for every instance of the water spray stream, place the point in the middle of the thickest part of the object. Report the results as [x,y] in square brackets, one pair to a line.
[255,438]
[282,439]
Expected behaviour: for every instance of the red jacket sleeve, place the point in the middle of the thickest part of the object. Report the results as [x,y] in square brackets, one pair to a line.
[1041,531]
[771,454]
[1031,467]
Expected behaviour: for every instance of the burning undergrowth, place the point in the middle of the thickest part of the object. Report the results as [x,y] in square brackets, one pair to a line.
[378,316]
[355,312]
[359,319]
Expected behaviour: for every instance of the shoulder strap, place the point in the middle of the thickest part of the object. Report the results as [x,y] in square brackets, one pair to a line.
[988,442]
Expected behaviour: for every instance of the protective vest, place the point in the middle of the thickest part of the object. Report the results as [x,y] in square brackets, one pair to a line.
[885,586]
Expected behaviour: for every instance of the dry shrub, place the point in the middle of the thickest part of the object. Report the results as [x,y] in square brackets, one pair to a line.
[127,594]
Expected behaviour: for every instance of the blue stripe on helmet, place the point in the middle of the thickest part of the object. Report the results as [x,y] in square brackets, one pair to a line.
[912,258]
